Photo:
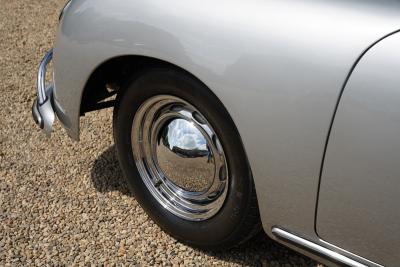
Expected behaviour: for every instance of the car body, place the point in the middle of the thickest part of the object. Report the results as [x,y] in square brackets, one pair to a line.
[312,87]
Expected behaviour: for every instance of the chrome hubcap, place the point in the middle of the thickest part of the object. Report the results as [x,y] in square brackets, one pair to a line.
[179,158]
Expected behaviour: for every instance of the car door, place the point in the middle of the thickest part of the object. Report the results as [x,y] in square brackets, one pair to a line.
[359,197]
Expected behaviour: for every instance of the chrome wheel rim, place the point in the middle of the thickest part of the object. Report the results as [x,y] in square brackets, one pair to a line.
[179,157]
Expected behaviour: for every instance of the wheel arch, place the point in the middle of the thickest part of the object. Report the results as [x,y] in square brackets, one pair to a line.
[111,74]
[108,77]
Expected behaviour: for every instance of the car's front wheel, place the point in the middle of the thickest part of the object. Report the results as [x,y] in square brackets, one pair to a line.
[184,161]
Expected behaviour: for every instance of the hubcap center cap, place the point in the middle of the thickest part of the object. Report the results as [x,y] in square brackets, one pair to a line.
[184,156]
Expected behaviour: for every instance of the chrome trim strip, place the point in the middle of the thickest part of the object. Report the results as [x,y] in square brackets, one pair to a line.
[63,10]
[41,77]
[364,260]
[319,250]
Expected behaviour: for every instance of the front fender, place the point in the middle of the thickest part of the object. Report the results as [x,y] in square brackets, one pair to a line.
[277,66]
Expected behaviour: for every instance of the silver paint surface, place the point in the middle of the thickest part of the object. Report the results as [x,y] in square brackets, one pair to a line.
[278,67]
[359,196]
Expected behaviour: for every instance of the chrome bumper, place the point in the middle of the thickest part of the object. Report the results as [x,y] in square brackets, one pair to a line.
[42,109]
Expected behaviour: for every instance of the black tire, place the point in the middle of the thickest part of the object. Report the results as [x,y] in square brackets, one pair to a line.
[238,219]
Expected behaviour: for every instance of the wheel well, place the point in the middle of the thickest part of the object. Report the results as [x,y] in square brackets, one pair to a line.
[107,79]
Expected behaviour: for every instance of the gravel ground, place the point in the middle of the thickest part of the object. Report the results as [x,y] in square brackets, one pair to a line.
[65,203]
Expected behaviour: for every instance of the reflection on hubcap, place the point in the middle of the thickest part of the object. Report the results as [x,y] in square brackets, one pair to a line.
[184,157]
[179,158]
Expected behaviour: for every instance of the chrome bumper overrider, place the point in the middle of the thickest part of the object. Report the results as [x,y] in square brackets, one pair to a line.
[42,109]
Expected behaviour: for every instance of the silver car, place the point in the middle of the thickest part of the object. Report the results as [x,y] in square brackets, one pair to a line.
[236,116]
